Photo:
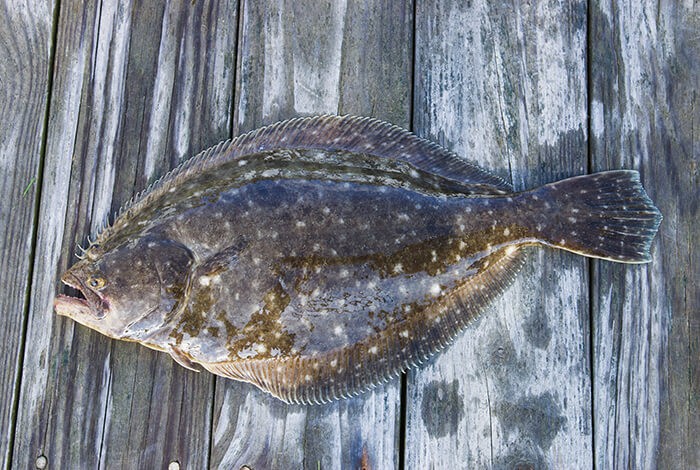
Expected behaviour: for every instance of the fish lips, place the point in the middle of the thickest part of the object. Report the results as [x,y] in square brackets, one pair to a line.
[94,304]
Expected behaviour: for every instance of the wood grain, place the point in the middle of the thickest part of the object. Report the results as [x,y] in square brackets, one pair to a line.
[299,58]
[562,372]
[505,86]
[645,115]
[136,86]
[25,39]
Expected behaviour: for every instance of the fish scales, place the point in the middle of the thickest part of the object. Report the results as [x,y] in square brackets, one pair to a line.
[320,256]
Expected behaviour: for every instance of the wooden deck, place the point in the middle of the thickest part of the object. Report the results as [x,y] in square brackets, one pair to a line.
[581,364]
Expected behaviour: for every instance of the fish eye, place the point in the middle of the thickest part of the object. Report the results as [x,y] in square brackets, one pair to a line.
[96,282]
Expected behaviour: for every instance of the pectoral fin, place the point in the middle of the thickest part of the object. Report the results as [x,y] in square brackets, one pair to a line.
[183,359]
[221,261]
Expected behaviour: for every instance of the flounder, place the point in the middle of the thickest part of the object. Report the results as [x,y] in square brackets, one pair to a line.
[318,257]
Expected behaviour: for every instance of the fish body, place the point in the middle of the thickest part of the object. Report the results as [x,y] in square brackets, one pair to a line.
[320,256]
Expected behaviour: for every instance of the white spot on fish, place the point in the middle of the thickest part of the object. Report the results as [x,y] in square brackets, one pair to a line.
[338,330]
[326,210]
[373,350]
[506,232]
[435,289]
[404,333]
[301,224]
[242,162]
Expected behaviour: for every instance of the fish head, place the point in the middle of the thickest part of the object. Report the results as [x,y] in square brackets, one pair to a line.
[127,291]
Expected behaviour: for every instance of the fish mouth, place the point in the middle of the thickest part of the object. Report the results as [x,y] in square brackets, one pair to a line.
[87,302]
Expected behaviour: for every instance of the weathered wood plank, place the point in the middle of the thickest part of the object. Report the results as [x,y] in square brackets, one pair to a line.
[306,57]
[138,85]
[505,85]
[25,39]
[645,114]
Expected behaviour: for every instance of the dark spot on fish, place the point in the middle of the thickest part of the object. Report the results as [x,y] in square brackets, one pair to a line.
[194,314]
[265,329]
[537,418]
[231,330]
[442,408]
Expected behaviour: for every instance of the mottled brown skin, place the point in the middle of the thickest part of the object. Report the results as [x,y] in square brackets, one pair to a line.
[317,274]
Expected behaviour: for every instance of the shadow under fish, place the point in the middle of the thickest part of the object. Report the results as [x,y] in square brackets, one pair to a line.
[318,257]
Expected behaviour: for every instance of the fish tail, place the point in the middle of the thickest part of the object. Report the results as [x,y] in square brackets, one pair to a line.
[605,215]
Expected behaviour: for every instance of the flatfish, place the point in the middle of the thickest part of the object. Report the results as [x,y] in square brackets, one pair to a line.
[318,257]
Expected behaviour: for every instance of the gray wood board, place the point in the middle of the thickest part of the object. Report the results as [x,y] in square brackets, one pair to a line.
[565,371]
[25,39]
[136,87]
[296,58]
[645,114]
[505,86]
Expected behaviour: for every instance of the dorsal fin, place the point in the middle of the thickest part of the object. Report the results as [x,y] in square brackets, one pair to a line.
[349,371]
[364,135]
[329,132]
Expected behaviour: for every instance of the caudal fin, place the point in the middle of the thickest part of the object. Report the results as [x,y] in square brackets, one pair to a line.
[605,215]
